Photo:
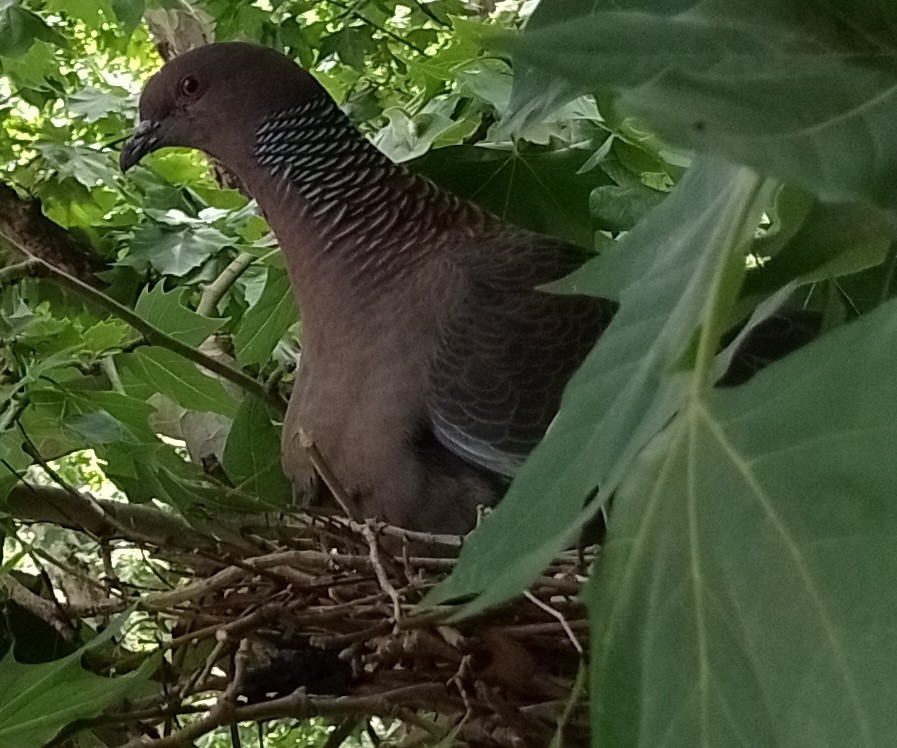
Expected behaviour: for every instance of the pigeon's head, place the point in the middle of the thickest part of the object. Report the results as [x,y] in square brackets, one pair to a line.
[214,98]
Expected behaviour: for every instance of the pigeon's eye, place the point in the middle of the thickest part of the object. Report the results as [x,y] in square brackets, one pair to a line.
[189,86]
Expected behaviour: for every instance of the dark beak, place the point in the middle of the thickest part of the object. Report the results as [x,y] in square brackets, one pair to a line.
[146,139]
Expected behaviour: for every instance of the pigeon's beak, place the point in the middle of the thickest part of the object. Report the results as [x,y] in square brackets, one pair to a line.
[146,139]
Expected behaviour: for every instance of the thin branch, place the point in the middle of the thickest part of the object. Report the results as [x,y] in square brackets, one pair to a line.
[215,290]
[19,271]
[330,480]
[374,25]
[298,704]
[45,610]
[382,578]
[559,616]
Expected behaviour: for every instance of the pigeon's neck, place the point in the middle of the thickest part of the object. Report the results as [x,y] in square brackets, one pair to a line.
[333,198]
[352,225]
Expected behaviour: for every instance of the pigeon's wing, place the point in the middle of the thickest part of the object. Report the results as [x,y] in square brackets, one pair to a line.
[505,353]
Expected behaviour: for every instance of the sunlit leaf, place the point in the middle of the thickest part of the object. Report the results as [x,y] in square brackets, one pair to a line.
[93,104]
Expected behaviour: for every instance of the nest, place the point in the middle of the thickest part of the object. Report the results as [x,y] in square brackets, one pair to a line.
[316,616]
[299,616]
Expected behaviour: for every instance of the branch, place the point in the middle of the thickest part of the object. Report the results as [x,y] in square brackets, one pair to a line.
[102,518]
[213,292]
[46,610]
[394,703]
[31,233]
[152,334]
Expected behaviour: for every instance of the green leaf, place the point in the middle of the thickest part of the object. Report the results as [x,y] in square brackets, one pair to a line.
[80,163]
[808,96]
[100,427]
[104,336]
[13,461]
[37,701]
[129,13]
[266,322]
[349,44]
[670,273]
[407,137]
[174,249]
[36,69]
[166,310]
[832,240]
[251,456]
[535,187]
[20,28]
[745,592]
[92,12]
[92,104]
[68,416]
[155,369]
[618,208]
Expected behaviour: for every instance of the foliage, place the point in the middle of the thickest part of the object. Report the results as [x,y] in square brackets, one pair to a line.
[743,594]
[37,700]
[746,559]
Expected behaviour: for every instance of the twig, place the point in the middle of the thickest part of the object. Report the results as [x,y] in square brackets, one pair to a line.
[19,271]
[298,704]
[198,680]
[326,474]
[364,19]
[424,538]
[559,616]
[382,578]
[44,609]
[215,290]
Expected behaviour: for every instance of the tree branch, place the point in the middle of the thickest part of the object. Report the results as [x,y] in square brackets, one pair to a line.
[213,292]
[32,234]
[152,334]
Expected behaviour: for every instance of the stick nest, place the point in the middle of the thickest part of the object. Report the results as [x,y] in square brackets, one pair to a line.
[316,616]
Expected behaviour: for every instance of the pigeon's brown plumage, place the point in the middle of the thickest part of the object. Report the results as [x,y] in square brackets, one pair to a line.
[431,364]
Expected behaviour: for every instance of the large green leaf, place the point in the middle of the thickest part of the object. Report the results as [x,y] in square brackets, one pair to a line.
[13,461]
[165,310]
[20,28]
[73,415]
[153,369]
[674,271]
[174,249]
[92,12]
[829,241]
[266,322]
[535,187]
[85,165]
[37,701]
[252,454]
[804,92]
[745,595]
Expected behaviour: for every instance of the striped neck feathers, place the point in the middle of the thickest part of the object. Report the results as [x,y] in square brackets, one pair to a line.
[315,149]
